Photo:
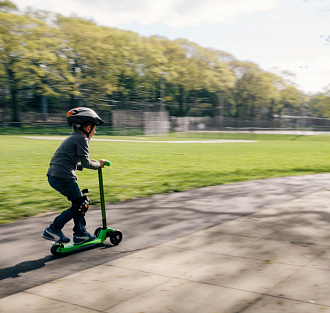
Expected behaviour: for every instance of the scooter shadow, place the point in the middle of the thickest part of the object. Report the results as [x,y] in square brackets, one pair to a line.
[24,267]
[33,265]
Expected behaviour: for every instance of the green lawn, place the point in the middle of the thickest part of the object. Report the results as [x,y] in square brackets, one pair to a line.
[142,169]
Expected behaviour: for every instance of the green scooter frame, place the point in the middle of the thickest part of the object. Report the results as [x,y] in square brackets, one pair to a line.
[101,233]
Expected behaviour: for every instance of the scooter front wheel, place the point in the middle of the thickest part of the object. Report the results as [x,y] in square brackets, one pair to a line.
[116,237]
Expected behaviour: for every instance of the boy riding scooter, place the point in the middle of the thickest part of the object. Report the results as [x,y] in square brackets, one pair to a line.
[72,153]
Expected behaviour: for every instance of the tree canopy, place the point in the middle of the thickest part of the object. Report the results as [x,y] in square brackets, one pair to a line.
[73,61]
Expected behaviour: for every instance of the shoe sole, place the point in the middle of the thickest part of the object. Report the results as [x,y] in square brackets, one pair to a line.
[52,238]
[57,241]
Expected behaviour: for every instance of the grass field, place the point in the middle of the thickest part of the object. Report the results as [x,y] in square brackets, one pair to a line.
[140,169]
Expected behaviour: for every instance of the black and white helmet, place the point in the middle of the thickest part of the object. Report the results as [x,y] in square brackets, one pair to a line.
[81,115]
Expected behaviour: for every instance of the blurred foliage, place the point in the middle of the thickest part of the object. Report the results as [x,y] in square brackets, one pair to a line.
[73,61]
[321,104]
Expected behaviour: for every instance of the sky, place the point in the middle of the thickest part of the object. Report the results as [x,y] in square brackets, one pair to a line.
[278,35]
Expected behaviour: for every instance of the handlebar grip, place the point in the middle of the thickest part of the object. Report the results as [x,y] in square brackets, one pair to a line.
[107,163]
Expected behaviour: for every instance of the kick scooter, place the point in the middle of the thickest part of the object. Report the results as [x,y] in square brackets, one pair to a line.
[101,233]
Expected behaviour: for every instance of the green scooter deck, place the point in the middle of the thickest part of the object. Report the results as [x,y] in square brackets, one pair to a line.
[71,246]
[115,238]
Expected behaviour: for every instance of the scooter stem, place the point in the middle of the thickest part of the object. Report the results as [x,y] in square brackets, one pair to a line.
[104,217]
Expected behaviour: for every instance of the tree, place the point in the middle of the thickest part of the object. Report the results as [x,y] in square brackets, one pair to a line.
[87,53]
[28,56]
[290,100]
[138,65]
[195,75]
[257,94]
[14,46]
[321,104]
[7,6]
[81,63]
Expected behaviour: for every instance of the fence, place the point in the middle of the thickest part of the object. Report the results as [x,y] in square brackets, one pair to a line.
[130,122]
[202,124]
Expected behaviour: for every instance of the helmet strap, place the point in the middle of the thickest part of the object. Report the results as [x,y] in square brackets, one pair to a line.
[88,133]
[85,132]
[81,128]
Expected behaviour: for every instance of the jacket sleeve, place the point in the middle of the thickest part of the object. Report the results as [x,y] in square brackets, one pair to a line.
[87,163]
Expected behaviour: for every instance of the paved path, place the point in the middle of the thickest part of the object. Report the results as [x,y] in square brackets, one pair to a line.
[260,246]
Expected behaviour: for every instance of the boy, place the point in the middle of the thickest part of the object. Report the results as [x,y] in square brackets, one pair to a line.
[62,176]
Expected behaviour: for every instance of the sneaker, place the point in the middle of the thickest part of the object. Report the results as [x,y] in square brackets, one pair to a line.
[55,235]
[79,239]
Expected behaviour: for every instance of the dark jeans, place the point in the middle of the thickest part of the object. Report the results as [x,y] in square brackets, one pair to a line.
[68,187]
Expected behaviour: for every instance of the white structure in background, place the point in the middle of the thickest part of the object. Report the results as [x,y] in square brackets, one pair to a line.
[156,123]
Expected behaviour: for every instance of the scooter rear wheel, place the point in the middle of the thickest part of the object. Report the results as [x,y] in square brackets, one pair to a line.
[54,251]
[116,237]
[97,231]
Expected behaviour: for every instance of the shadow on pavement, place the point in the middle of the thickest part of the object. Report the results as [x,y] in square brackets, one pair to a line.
[24,267]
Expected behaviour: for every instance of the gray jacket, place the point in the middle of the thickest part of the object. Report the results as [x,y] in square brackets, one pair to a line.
[71,151]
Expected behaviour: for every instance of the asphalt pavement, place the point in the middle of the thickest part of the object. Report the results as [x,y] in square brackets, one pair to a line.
[258,246]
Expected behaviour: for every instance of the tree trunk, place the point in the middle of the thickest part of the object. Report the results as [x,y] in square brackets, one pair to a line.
[181,99]
[13,94]
[14,103]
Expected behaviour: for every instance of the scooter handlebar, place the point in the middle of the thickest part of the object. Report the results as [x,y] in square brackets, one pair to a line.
[107,163]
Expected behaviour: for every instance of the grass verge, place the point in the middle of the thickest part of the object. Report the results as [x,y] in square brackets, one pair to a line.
[141,169]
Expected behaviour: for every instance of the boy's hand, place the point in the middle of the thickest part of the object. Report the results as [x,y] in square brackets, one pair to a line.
[102,161]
